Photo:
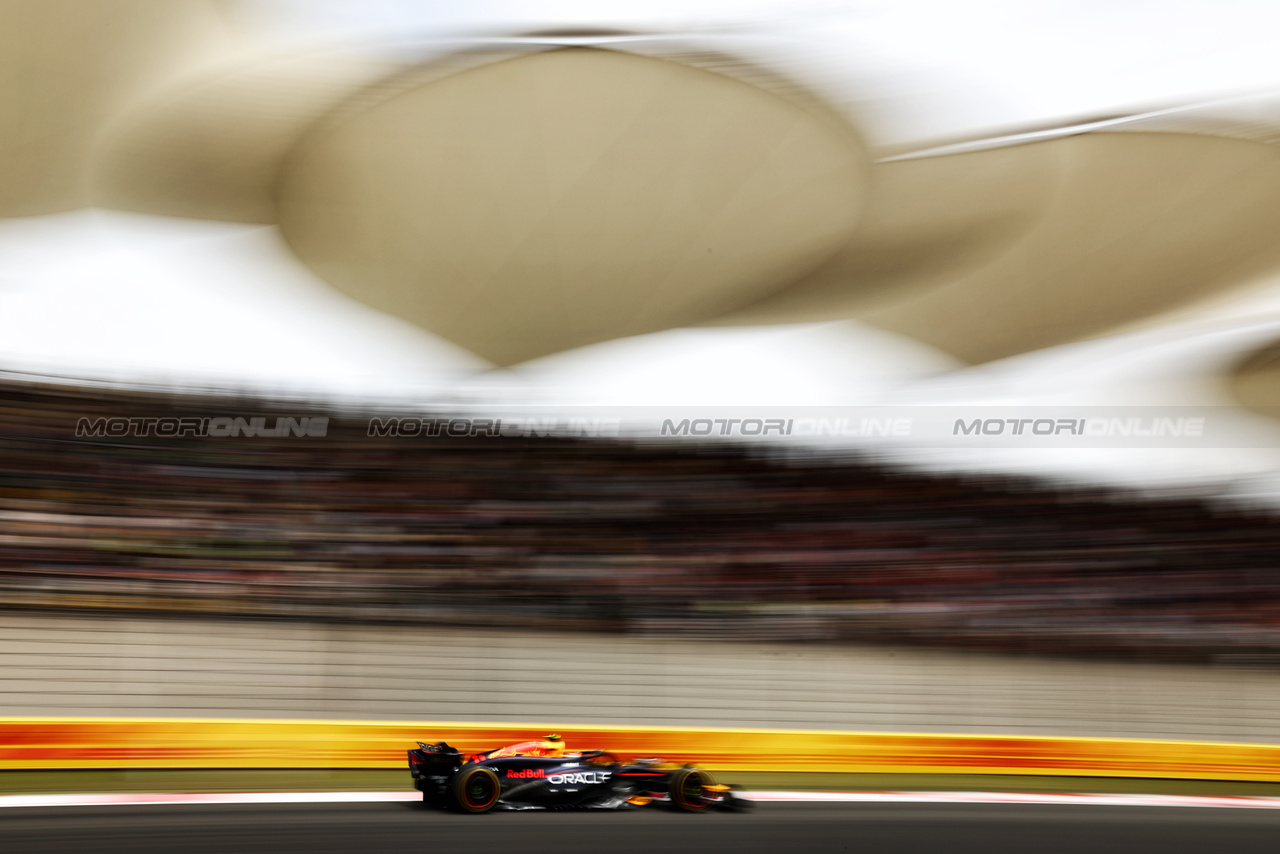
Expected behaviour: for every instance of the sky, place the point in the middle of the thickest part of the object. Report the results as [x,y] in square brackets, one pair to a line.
[950,67]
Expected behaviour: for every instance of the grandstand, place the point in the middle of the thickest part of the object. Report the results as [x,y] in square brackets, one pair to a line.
[602,535]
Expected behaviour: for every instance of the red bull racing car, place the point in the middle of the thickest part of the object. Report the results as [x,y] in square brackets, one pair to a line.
[535,775]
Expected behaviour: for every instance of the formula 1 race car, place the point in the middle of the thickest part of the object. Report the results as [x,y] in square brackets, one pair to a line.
[542,775]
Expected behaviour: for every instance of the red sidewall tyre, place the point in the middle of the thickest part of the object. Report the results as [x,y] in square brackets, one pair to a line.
[476,790]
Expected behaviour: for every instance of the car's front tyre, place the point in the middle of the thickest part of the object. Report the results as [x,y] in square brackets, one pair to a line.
[688,790]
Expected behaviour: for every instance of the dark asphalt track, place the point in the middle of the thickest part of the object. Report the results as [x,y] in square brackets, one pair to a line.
[786,828]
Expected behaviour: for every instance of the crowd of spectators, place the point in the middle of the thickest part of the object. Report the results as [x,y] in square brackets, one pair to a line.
[603,535]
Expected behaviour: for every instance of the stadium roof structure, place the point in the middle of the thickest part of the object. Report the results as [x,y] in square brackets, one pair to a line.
[522,196]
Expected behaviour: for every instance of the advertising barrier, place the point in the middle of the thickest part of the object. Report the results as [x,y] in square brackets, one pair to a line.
[69,743]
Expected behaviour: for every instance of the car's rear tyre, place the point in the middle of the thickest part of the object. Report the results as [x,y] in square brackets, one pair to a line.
[476,790]
[688,792]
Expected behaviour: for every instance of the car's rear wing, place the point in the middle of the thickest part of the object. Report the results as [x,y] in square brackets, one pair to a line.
[432,759]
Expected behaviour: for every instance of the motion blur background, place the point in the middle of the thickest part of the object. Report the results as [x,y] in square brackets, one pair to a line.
[551,213]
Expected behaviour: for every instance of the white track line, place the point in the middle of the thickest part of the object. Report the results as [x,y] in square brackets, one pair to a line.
[1020,798]
[793,797]
[106,800]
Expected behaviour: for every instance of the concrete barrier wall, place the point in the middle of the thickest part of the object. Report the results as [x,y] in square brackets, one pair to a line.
[90,666]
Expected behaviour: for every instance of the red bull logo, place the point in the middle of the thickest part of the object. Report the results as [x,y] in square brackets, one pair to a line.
[526,773]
